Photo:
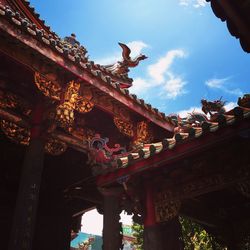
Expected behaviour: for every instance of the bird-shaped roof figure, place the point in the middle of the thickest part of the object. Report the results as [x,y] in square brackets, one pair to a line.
[122,67]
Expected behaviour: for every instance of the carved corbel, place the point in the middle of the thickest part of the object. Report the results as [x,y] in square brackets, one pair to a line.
[11,101]
[49,88]
[70,99]
[143,134]
[167,210]
[125,127]
[15,133]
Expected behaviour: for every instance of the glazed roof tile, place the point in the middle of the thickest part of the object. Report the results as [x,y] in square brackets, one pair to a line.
[148,150]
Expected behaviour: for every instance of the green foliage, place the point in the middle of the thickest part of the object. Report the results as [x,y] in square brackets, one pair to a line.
[138,234]
[196,238]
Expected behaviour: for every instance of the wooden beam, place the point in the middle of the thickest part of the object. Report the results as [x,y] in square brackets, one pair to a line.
[20,121]
[168,157]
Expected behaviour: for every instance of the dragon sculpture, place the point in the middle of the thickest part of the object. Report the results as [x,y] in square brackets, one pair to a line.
[213,108]
[122,67]
[195,119]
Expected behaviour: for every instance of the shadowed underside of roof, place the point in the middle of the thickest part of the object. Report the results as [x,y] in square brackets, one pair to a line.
[236,15]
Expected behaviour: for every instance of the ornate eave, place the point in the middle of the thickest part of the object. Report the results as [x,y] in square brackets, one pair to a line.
[96,76]
[187,141]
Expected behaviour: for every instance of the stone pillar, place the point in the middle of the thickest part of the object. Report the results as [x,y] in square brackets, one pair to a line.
[28,194]
[151,234]
[112,239]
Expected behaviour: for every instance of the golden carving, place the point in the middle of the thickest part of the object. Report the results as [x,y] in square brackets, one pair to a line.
[15,133]
[166,209]
[12,101]
[47,87]
[125,127]
[65,115]
[8,100]
[84,106]
[71,101]
[22,136]
[143,133]
[55,147]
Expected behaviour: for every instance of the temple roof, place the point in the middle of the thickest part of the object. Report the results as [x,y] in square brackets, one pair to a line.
[187,139]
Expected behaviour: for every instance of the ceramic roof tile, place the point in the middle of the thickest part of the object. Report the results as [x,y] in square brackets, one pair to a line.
[194,133]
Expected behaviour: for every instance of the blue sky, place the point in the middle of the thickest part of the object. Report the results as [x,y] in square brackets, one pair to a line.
[191,53]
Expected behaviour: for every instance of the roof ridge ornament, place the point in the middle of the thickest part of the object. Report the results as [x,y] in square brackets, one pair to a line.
[122,67]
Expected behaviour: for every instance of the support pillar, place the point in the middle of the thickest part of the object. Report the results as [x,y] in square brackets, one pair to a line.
[112,239]
[171,234]
[28,194]
[151,233]
[53,225]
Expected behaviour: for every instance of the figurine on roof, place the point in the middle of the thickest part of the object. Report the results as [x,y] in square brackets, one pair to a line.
[213,108]
[71,45]
[122,67]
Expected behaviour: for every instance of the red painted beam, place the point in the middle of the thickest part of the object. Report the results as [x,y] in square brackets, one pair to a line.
[150,218]
[170,156]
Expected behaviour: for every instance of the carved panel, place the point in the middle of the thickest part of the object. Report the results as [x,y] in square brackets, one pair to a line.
[125,127]
[15,133]
[166,209]
[47,87]
[55,147]
[143,133]
[70,102]
[11,101]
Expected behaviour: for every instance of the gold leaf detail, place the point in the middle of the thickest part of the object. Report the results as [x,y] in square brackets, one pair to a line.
[47,87]
[125,127]
[15,133]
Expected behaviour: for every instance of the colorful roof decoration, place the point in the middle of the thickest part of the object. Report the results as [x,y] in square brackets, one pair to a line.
[191,130]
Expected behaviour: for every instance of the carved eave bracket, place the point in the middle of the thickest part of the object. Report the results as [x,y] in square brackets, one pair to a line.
[101,156]
[11,103]
[70,100]
[140,132]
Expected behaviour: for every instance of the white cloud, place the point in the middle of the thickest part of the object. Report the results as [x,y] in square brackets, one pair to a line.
[136,48]
[200,3]
[216,82]
[230,105]
[111,59]
[193,3]
[160,75]
[185,112]
[140,85]
[174,87]
[184,2]
[157,70]
[222,84]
